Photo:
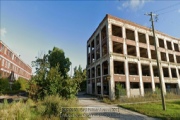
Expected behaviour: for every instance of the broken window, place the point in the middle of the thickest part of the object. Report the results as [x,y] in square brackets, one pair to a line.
[143,52]
[171,58]
[89,49]
[133,69]
[153,54]
[97,39]
[116,31]
[169,46]
[97,54]
[178,59]
[93,57]
[161,43]
[130,34]
[131,50]
[134,85]
[103,33]
[176,48]
[93,72]
[104,49]
[155,71]
[145,70]
[117,47]
[151,40]
[165,72]
[89,73]
[142,37]
[105,67]
[89,60]
[173,72]
[163,56]
[118,67]
[98,70]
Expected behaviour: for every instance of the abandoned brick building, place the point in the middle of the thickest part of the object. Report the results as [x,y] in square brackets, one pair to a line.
[10,63]
[120,51]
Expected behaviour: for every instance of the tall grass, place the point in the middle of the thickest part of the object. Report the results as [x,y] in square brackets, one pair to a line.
[48,109]
[16,111]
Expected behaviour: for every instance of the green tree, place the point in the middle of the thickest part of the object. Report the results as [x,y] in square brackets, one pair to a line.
[51,76]
[80,77]
[4,85]
[57,56]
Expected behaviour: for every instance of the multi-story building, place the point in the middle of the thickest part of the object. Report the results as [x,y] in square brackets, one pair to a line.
[120,51]
[12,63]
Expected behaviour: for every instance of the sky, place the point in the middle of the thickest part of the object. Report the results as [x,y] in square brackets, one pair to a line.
[32,28]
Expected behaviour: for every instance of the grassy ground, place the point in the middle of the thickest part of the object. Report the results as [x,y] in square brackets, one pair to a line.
[147,98]
[155,109]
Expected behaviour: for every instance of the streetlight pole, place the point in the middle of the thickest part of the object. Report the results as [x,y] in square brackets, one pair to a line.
[157,59]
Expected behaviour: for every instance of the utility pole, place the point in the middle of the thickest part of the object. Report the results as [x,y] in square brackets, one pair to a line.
[157,59]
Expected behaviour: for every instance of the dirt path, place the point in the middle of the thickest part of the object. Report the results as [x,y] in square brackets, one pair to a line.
[106,111]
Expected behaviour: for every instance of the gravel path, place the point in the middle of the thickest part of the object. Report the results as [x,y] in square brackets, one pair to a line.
[102,111]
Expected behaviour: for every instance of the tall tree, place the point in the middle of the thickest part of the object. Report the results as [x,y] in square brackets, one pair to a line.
[80,77]
[57,57]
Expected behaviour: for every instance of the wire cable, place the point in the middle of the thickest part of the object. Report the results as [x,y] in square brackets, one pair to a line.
[167,7]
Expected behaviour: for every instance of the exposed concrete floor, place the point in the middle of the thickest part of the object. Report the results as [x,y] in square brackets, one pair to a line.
[119,113]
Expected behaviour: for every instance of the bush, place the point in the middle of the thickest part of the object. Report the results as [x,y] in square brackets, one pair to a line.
[51,107]
[4,85]
[120,91]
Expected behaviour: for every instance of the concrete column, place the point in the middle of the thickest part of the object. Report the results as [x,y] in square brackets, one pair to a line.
[111,65]
[139,65]
[111,80]
[140,79]
[95,81]
[150,65]
[101,80]
[90,85]
[148,48]
[169,69]
[178,84]
[100,44]
[152,77]
[127,78]
[126,63]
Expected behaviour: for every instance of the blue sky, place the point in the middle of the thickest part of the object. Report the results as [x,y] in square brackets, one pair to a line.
[31,28]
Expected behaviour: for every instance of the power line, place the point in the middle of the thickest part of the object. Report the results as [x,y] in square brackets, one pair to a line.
[168,11]
[167,7]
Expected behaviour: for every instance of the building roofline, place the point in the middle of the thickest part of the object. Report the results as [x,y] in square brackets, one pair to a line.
[98,27]
[130,23]
[15,54]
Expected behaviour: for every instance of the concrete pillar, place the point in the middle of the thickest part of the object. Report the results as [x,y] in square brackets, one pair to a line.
[95,81]
[140,79]
[101,80]
[126,63]
[111,80]
[169,69]
[178,83]
[90,85]
[139,64]
[152,77]
[150,65]
[111,65]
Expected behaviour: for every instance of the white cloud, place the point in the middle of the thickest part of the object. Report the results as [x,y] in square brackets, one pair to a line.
[3,32]
[133,4]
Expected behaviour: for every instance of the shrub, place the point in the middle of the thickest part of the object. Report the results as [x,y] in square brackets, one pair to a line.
[120,91]
[4,85]
[51,107]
